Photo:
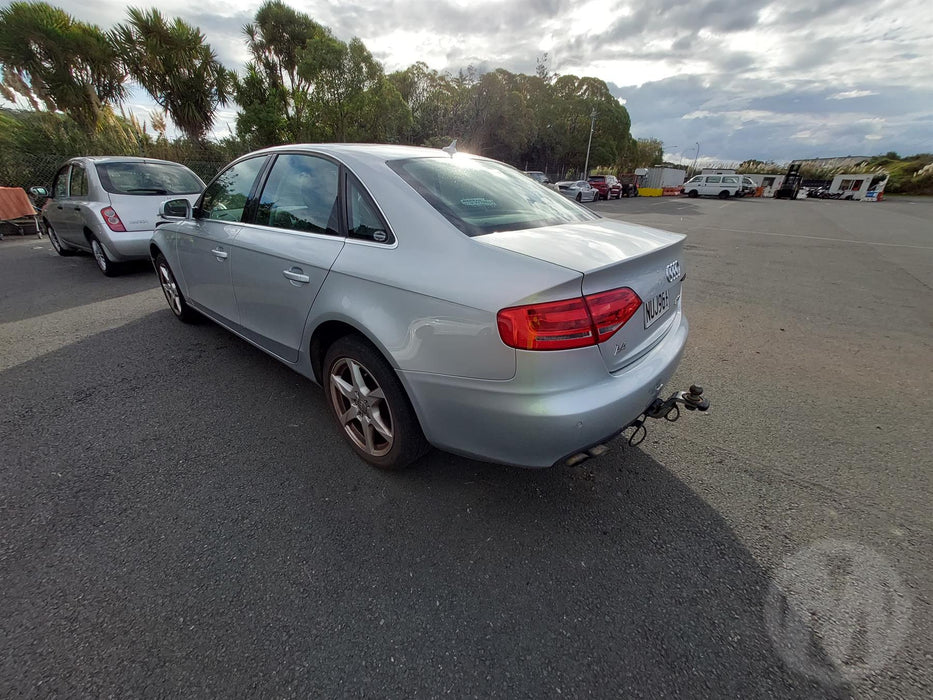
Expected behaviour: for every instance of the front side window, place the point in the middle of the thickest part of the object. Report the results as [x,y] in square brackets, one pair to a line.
[225,198]
[60,183]
[148,178]
[78,181]
[482,196]
[301,194]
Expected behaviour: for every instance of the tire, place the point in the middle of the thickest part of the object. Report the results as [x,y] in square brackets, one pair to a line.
[60,247]
[724,194]
[104,263]
[579,196]
[174,297]
[693,194]
[370,406]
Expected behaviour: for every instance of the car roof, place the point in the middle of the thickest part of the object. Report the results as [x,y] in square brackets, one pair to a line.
[123,159]
[363,152]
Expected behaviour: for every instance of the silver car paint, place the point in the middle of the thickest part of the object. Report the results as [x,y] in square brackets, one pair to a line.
[429,303]
[71,217]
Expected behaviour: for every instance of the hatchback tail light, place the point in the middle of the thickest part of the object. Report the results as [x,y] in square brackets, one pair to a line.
[112,219]
[570,323]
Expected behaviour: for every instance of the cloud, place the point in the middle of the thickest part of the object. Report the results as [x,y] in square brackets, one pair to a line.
[851,94]
[746,78]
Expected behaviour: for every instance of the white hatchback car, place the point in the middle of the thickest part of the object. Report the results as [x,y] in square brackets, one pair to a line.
[108,206]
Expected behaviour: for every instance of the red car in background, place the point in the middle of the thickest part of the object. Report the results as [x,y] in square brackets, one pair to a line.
[607,186]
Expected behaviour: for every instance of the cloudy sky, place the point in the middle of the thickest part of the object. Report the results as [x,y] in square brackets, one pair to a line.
[741,78]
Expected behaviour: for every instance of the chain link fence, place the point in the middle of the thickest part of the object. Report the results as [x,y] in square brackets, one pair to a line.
[22,169]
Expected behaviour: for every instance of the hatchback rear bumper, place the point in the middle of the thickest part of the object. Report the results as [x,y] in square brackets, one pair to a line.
[126,245]
[557,404]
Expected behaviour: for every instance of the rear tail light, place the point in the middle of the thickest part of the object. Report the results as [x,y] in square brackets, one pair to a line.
[570,323]
[112,219]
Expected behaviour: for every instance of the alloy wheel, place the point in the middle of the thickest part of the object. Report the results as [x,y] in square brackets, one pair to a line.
[170,289]
[361,407]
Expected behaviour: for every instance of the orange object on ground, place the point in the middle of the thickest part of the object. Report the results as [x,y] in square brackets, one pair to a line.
[14,204]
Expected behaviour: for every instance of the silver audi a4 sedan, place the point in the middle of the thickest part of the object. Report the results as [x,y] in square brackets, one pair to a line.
[438,299]
[108,205]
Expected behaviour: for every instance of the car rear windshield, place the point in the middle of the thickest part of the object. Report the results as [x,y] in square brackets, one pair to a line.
[148,178]
[482,196]
[597,178]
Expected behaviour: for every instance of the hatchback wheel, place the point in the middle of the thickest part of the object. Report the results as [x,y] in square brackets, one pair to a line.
[60,247]
[174,297]
[106,265]
[370,405]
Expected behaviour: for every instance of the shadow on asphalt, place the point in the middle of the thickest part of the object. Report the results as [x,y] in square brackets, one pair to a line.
[180,513]
[78,280]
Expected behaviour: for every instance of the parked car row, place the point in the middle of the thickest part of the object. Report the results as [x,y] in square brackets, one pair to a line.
[358,267]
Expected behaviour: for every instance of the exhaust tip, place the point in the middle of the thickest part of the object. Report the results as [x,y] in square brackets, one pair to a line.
[598,450]
[576,459]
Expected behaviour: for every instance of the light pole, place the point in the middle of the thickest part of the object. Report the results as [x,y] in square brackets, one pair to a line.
[694,168]
[586,167]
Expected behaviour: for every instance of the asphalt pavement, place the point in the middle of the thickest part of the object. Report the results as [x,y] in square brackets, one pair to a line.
[179,516]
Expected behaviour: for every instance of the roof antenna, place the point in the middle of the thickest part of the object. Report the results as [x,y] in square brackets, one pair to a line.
[451,149]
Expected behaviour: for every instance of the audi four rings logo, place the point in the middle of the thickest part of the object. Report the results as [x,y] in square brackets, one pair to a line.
[673,271]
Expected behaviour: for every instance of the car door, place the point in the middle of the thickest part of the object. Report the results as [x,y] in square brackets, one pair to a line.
[712,185]
[283,257]
[54,211]
[204,248]
[77,207]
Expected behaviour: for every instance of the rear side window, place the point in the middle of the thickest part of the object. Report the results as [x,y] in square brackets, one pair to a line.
[364,221]
[713,179]
[225,198]
[482,196]
[78,182]
[148,178]
[729,180]
[301,194]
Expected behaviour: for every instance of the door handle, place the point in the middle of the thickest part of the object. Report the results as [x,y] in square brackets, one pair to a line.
[220,253]
[296,275]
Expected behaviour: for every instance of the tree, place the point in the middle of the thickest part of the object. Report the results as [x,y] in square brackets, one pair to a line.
[176,66]
[275,96]
[49,57]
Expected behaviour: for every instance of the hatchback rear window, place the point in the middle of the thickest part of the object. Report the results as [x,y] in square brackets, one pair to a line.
[148,178]
[483,196]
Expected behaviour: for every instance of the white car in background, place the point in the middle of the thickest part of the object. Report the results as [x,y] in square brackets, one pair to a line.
[722,186]
[108,206]
[578,190]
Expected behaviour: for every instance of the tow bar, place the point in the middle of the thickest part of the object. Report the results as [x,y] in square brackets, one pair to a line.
[669,410]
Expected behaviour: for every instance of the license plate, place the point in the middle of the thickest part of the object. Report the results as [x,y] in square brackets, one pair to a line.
[656,307]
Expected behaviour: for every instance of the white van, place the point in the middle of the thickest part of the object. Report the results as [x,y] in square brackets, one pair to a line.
[722,186]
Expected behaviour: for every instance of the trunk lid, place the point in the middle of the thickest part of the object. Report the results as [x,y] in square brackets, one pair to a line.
[612,254]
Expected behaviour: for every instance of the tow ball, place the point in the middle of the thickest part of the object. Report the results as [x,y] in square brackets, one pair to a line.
[669,410]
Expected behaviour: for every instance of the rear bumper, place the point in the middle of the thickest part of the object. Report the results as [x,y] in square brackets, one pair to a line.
[552,408]
[128,245]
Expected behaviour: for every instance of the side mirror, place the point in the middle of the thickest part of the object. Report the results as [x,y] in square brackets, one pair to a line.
[38,192]
[175,209]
